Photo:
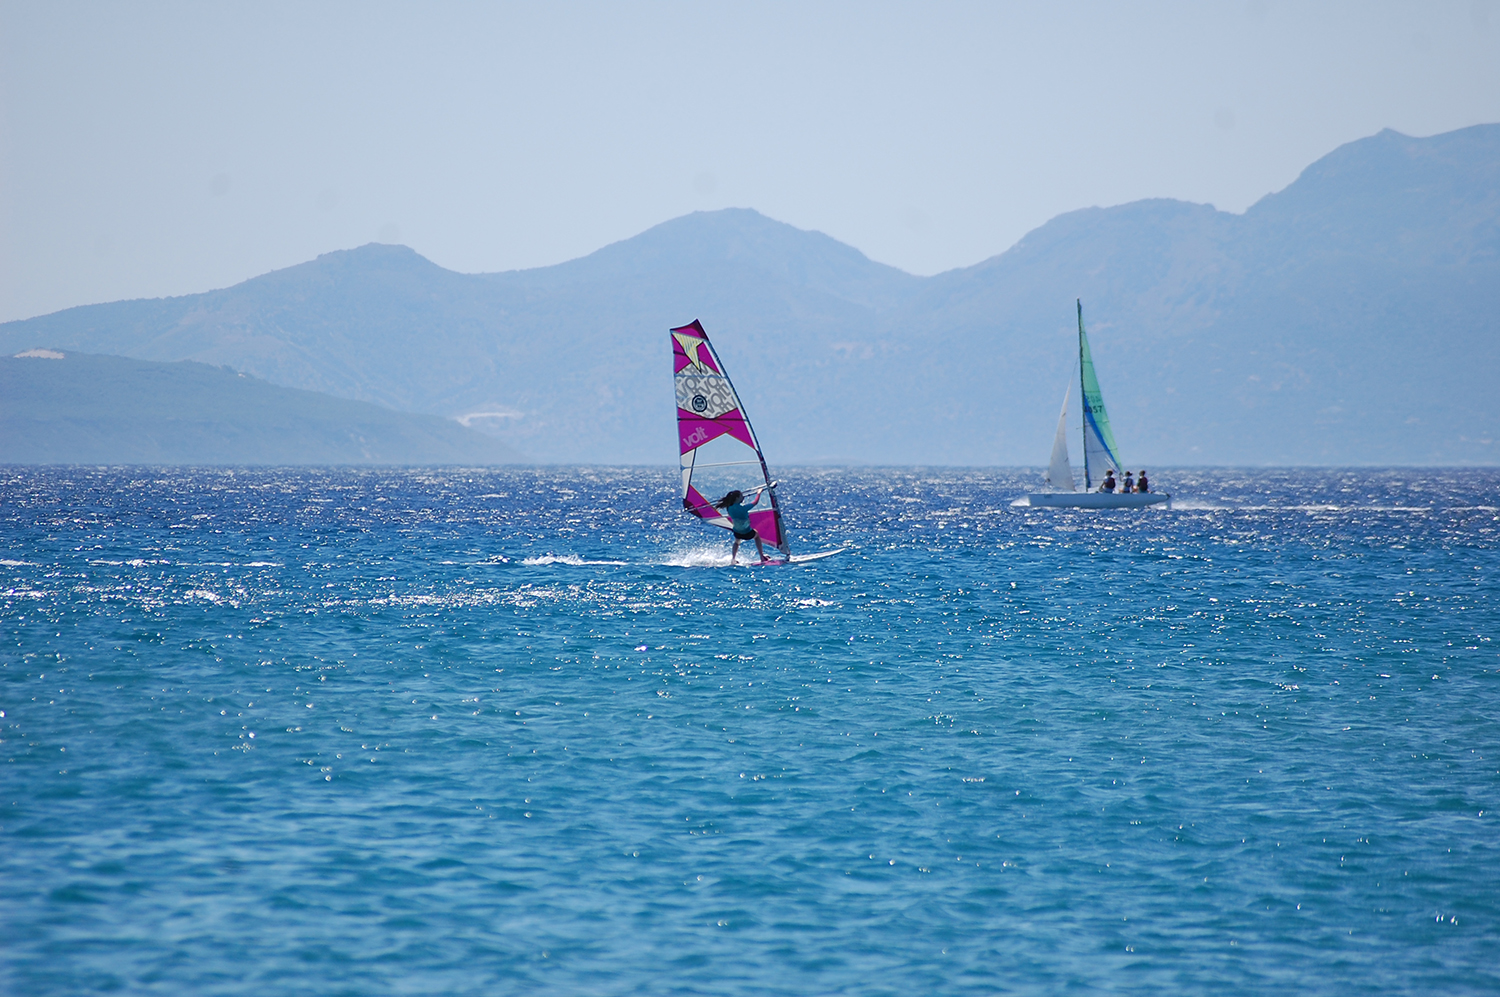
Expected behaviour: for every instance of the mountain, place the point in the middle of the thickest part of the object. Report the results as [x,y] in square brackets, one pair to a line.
[1350,318]
[74,408]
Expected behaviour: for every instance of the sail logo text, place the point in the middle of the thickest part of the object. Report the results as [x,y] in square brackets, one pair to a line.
[697,436]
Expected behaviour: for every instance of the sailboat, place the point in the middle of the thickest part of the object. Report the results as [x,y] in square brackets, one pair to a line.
[1099,450]
[718,446]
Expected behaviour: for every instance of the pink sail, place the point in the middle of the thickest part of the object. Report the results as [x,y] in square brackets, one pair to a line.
[719,450]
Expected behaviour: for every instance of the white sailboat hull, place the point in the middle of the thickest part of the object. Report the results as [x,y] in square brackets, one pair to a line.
[1096,500]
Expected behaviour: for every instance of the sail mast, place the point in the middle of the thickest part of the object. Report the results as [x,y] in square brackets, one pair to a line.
[1083,400]
[1099,447]
[781,542]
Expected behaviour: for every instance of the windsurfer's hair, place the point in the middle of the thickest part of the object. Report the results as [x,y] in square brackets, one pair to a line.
[729,499]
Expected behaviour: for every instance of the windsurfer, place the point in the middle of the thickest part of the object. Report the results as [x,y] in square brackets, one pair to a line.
[738,512]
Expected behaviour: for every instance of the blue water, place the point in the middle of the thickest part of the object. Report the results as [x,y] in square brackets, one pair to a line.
[523,731]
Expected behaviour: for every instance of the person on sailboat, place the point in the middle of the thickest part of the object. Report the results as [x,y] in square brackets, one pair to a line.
[1129,482]
[1141,484]
[738,512]
[1108,484]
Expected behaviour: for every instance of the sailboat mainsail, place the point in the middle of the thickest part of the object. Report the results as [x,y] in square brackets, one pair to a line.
[718,446]
[1099,446]
[1059,471]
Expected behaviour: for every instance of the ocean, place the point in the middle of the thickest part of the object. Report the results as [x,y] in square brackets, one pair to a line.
[525,731]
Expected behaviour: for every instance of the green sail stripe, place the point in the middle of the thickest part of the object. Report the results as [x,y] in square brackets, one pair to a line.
[1095,418]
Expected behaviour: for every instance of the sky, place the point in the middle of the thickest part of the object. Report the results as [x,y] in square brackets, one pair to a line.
[151,149]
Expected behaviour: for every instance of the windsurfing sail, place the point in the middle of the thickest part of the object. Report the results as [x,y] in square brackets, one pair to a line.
[1098,440]
[1060,472]
[719,450]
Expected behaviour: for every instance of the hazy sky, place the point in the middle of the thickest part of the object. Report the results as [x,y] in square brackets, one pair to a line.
[152,149]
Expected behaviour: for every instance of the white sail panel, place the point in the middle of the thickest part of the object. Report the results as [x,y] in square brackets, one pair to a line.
[1060,471]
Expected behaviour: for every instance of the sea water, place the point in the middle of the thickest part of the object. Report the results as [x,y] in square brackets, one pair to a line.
[526,731]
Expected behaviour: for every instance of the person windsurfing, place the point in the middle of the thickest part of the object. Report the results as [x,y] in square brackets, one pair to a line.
[733,504]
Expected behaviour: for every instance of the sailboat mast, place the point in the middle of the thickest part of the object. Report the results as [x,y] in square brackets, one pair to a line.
[1083,401]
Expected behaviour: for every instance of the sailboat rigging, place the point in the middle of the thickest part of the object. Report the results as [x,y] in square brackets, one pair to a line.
[1100,452]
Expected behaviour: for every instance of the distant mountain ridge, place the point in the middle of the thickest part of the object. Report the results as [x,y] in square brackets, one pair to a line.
[78,408]
[1349,318]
